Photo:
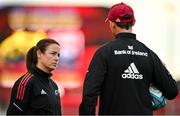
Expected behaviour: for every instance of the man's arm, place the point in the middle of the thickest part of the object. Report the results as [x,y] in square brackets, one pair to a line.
[163,79]
[93,81]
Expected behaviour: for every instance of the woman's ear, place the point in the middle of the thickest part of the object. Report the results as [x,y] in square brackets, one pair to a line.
[39,53]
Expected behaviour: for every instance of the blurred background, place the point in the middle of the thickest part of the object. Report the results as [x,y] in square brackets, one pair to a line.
[79,26]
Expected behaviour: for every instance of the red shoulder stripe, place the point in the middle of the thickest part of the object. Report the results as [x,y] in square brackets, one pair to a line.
[17,95]
[21,85]
[24,87]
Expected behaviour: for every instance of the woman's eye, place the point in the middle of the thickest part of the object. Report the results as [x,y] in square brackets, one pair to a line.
[53,53]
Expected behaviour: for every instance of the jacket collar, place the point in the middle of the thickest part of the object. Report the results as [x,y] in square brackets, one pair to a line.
[35,70]
[126,35]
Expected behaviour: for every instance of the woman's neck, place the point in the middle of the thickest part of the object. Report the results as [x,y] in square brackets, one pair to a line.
[43,68]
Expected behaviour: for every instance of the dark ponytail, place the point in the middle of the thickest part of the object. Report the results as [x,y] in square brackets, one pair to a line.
[31,58]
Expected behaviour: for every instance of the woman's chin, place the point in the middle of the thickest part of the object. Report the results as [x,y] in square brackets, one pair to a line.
[52,68]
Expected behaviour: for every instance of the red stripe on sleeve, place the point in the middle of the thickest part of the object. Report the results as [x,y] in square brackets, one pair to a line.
[24,87]
[19,86]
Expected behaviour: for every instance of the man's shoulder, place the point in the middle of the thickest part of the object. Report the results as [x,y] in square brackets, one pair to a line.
[103,47]
[108,44]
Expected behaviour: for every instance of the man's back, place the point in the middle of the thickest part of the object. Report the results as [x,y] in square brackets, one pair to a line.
[129,74]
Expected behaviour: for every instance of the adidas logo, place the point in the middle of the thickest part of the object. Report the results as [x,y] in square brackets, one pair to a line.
[118,20]
[132,72]
[43,92]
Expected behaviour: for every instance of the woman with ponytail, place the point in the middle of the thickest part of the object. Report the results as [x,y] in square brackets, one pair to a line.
[35,92]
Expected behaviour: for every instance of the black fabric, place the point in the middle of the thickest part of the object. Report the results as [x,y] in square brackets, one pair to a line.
[120,73]
[41,95]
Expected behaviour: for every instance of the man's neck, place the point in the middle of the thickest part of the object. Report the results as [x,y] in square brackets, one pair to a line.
[121,30]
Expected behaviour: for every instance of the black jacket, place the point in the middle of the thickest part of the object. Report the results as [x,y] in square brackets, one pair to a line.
[120,73]
[35,93]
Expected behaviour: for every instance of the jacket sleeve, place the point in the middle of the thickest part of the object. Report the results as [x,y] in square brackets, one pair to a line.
[20,96]
[93,81]
[163,79]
